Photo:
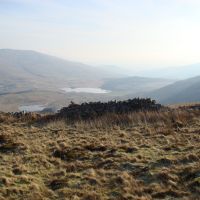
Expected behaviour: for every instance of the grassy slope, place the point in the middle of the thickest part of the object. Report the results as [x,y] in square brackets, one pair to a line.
[49,98]
[178,92]
[147,156]
[135,86]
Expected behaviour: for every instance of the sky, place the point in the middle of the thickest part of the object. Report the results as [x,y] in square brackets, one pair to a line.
[135,34]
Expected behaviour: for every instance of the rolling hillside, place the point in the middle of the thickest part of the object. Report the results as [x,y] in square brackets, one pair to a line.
[181,72]
[29,77]
[22,70]
[135,85]
[182,91]
[24,63]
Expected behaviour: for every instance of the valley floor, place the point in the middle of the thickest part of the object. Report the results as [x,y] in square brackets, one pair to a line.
[139,161]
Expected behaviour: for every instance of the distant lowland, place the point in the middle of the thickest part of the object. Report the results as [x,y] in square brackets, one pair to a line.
[33,81]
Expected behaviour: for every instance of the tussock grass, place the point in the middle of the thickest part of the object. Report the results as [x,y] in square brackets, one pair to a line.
[168,118]
[139,156]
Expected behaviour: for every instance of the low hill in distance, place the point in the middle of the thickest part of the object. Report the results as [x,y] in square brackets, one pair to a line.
[29,78]
[31,63]
[180,72]
[135,85]
[21,69]
[179,92]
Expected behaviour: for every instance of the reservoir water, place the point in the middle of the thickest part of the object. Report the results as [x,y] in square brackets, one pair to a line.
[86,90]
[31,108]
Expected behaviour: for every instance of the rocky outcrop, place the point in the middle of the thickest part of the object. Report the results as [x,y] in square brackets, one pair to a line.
[96,109]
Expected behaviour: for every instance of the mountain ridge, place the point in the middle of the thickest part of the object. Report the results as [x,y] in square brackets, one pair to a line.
[179,92]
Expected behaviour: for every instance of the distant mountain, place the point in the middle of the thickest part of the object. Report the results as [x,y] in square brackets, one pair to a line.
[135,85]
[181,72]
[25,70]
[179,92]
[20,63]
[32,78]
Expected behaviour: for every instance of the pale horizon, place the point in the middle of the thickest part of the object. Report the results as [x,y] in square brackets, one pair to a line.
[129,34]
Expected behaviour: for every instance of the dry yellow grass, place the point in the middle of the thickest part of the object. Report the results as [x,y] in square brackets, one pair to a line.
[139,156]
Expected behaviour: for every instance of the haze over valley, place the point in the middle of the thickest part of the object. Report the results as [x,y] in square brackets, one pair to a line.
[97,50]
[30,78]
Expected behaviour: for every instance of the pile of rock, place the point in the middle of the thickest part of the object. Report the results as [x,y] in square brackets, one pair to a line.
[95,109]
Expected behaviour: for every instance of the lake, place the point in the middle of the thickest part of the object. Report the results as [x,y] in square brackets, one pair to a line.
[86,90]
[31,108]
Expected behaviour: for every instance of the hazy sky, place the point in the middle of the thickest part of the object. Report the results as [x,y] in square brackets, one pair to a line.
[115,32]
